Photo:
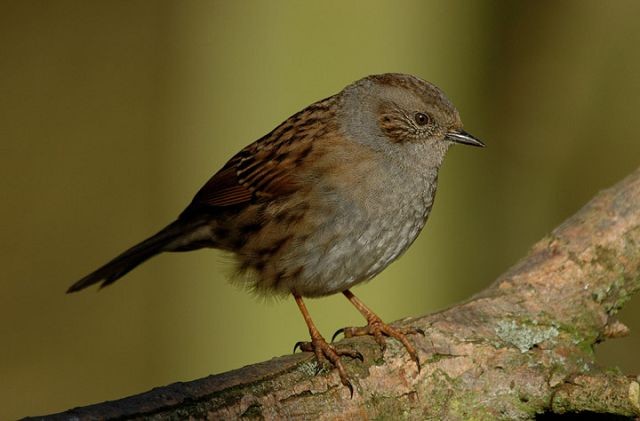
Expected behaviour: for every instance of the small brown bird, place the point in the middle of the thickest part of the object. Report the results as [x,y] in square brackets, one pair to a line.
[325,201]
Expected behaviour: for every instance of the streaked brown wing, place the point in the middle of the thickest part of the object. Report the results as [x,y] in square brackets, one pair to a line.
[268,168]
[223,189]
[253,173]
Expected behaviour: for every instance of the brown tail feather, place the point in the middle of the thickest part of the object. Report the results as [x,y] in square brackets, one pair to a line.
[130,259]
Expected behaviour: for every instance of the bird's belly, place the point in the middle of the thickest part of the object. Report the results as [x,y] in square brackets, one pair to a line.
[321,248]
[355,245]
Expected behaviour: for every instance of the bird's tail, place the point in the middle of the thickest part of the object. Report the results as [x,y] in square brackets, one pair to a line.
[130,259]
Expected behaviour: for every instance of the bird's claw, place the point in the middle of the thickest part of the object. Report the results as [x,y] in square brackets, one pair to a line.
[323,350]
[380,330]
[298,345]
[350,386]
[337,332]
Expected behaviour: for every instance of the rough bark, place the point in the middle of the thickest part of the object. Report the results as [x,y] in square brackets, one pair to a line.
[522,347]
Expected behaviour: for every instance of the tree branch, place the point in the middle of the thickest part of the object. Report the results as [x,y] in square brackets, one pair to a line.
[522,347]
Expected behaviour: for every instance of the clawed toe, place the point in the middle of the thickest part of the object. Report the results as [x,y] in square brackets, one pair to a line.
[375,327]
[298,345]
[356,355]
[323,350]
[380,330]
[330,349]
[337,332]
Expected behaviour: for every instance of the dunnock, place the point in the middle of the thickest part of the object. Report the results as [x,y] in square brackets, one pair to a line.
[323,202]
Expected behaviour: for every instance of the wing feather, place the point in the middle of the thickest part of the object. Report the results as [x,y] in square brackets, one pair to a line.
[267,168]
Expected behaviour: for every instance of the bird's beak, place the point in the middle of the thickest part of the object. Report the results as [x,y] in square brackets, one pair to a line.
[460,136]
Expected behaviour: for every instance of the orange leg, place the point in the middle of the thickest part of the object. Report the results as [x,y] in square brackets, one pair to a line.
[321,348]
[378,329]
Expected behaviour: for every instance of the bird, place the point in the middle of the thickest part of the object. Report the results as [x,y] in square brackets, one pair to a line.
[323,202]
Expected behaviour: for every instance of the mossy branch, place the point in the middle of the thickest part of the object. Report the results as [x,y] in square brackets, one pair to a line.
[524,346]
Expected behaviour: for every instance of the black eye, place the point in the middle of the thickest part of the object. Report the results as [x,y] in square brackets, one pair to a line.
[421,119]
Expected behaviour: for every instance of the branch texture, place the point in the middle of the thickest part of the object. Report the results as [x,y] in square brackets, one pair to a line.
[524,346]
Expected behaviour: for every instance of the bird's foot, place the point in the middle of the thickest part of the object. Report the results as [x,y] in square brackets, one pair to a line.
[380,330]
[323,350]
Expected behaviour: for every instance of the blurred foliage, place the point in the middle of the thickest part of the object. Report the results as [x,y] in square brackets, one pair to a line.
[112,114]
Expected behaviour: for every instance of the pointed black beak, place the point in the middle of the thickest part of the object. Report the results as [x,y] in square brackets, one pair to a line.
[464,138]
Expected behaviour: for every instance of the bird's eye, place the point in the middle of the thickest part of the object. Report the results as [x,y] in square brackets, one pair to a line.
[421,119]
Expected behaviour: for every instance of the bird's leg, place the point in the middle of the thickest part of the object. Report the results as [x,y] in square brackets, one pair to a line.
[379,329]
[321,348]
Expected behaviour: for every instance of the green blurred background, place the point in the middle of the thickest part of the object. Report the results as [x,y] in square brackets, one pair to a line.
[113,113]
